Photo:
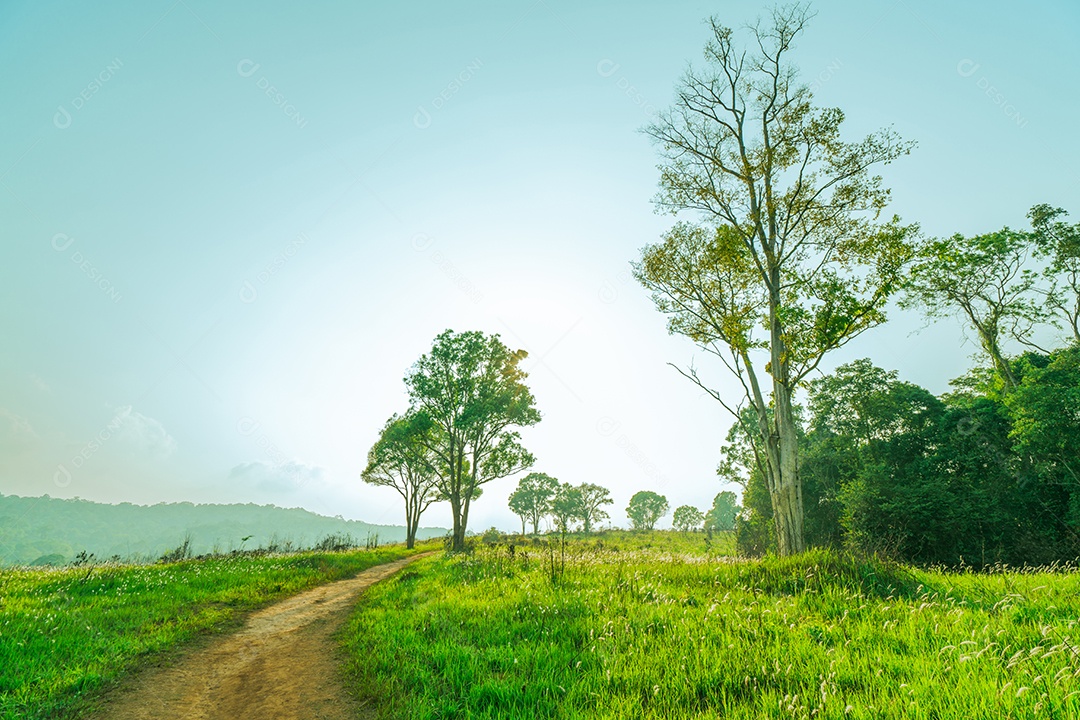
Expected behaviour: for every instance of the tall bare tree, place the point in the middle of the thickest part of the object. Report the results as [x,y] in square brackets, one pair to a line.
[788,257]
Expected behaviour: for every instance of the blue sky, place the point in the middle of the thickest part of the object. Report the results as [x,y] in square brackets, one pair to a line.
[228,231]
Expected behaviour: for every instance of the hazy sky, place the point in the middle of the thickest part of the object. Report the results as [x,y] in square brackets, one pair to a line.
[229,229]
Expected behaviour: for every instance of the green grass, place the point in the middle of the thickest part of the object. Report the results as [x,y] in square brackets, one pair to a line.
[652,633]
[717,544]
[65,634]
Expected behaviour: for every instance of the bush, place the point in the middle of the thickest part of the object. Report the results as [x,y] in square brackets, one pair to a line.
[336,542]
[491,536]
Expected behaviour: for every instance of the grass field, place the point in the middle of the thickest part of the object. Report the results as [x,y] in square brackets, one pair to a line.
[66,633]
[660,632]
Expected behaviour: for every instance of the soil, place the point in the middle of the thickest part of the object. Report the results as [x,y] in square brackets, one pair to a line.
[284,663]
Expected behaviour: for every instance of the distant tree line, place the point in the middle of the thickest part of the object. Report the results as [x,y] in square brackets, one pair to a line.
[569,507]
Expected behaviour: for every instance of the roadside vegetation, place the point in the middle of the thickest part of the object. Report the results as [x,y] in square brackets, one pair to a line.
[67,633]
[647,625]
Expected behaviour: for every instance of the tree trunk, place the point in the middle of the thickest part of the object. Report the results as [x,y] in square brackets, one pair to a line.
[464,519]
[786,490]
[786,496]
[409,524]
[1001,364]
[459,531]
[410,538]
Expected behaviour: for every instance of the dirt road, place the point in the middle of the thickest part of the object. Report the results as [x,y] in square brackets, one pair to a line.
[282,664]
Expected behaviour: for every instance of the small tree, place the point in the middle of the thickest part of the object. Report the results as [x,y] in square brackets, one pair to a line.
[645,509]
[687,518]
[532,498]
[517,506]
[724,509]
[470,389]
[401,459]
[566,507]
[592,498]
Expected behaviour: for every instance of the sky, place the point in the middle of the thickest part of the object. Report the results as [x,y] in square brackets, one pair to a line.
[229,229]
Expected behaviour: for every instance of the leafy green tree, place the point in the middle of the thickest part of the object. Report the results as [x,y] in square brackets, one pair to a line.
[978,476]
[983,516]
[593,498]
[1046,429]
[687,518]
[470,389]
[724,510]
[789,259]
[986,279]
[566,507]
[645,508]
[531,500]
[402,459]
[878,434]
[925,479]
[517,506]
[1060,242]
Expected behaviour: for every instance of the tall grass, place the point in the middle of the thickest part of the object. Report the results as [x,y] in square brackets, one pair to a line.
[66,633]
[656,634]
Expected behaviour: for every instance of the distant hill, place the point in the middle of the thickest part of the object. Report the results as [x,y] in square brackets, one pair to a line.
[51,530]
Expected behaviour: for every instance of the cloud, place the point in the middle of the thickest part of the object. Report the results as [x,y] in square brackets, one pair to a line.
[40,384]
[16,433]
[282,477]
[141,432]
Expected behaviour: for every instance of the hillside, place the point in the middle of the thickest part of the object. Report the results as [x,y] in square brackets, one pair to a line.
[45,529]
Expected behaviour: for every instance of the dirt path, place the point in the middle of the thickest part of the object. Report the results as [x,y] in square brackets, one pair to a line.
[282,664]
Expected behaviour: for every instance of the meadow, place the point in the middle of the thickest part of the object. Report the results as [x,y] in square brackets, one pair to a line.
[67,634]
[656,626]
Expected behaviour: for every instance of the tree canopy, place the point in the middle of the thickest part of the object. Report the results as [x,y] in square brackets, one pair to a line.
[721,516]
[532,498]
[593,499]
[645,508]
[469,389]
[686,518]
[985,279]
[565,507]
[402,459]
